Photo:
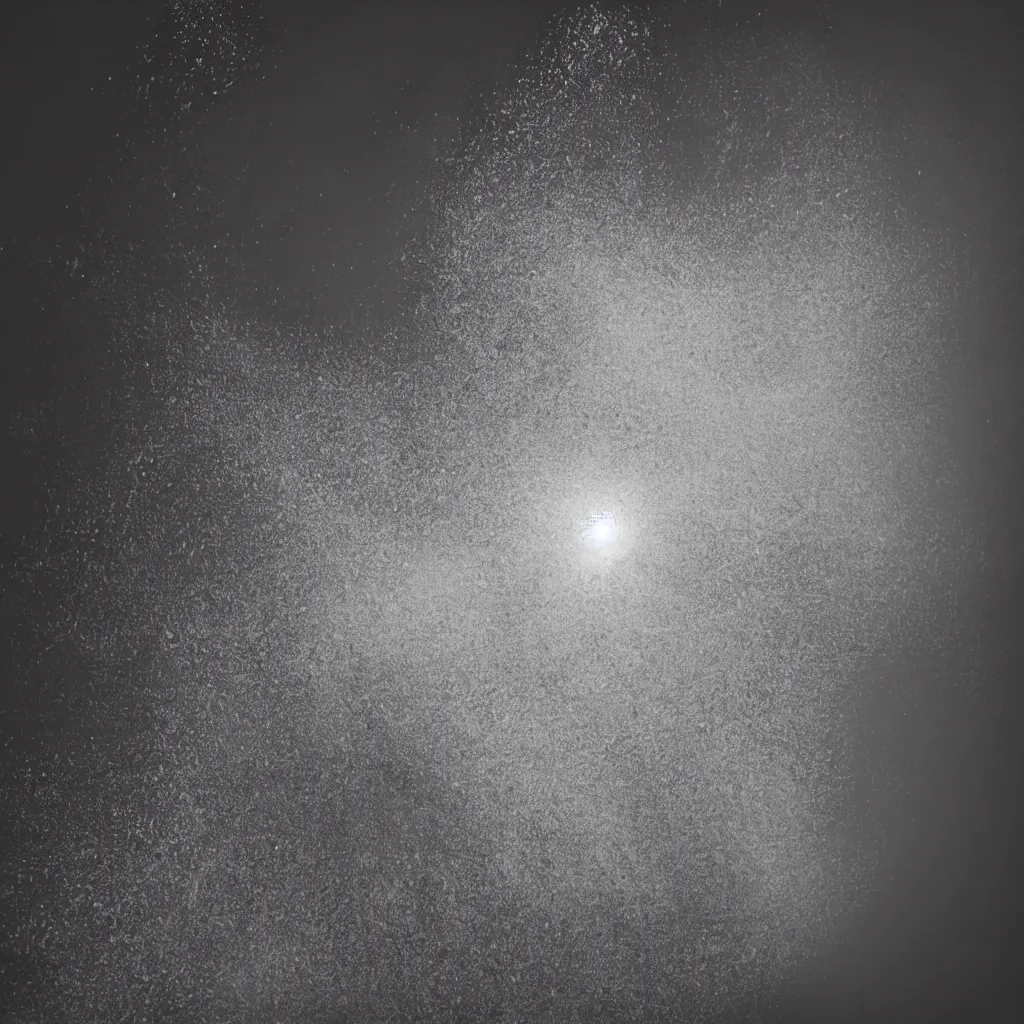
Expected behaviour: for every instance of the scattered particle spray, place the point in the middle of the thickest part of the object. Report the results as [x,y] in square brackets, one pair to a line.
[507,660]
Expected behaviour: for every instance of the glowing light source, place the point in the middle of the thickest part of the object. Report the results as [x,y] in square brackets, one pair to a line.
[602,531]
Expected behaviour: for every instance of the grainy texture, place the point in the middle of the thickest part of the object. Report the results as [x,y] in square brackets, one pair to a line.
[354,723]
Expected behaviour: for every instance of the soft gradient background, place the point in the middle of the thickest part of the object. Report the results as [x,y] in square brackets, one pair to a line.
[326,329]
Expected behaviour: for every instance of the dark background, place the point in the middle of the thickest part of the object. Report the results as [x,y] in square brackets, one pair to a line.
[84,159]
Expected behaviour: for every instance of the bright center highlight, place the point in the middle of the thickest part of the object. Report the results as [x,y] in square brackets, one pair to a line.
[602,531]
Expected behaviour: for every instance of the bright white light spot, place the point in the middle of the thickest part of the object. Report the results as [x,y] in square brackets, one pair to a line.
[602,531]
